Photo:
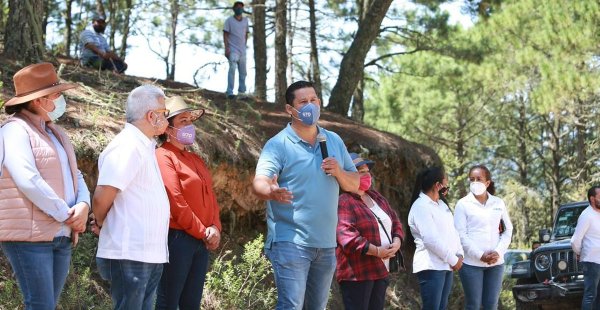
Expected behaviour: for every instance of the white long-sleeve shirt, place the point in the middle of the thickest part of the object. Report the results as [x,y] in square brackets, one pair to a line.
[437,241]
[586,239]
[19,161]
[477,224]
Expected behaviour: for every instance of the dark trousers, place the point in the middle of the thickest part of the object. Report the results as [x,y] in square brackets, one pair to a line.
[364,295]
[182,281]
[107,64]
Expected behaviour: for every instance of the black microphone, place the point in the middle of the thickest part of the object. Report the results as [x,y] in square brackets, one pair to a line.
[323,144]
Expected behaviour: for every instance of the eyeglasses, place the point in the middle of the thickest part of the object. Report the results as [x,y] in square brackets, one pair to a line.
[165,112]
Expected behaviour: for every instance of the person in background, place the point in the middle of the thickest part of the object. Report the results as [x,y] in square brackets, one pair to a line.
[44,201]
[95,51]
[485,230]
[235,35]
[195,227]
[131,206]
[438,250]
[302,190]
[366,225]
[586,245]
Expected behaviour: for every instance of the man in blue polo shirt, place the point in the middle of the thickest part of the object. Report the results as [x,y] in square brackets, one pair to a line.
[301,188]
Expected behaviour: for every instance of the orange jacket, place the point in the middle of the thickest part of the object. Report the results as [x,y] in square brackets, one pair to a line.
[189,188]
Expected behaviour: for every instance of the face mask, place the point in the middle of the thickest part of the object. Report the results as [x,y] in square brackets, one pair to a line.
[238,11]
[444,192]
[186,135]
[365,182]
[309,114]
[477,188]
[99,29]
[60,105]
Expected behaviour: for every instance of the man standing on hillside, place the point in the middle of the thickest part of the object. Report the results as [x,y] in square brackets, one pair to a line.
[586,245]
[95,51]
[131,205]
[301,188]
[235,35]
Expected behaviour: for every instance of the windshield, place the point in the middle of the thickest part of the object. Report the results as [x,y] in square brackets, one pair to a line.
[566,220]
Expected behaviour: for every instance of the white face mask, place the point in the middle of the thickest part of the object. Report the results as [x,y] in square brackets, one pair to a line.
[60,105]
[477,188]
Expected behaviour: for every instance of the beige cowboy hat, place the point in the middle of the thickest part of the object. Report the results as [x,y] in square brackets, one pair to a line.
[176,105]
[35,81]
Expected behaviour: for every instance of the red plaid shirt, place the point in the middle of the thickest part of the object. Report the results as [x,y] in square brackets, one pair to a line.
[357,228]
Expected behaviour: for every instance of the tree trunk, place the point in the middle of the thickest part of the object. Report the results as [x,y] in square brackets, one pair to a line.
[291,31]
[280,51]
[461,144]
[47,6]
[580,121]
[523,153]
[354,59]
[259,38]
[68,27]
[358,100]
[25,41]
[100,7]
[173,39]
[555,176]
[314,52]
[2,24]
[112,12]
[126,21]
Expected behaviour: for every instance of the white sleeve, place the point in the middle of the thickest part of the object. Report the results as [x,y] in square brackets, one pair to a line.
[20,163]
[506,236]
[431,237]
[583,225]
[460,223]
[83,193]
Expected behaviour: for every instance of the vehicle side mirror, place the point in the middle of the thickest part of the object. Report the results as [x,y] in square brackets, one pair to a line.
[545,234]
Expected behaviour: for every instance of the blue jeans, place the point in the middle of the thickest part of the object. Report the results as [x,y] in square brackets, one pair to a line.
[41,269]
[591,278]
[435,288]
[132,283]
[303,275]
[236,61]
[182,280]
[364,295]
[482,286]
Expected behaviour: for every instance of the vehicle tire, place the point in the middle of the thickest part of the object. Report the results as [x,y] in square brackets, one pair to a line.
[526,306]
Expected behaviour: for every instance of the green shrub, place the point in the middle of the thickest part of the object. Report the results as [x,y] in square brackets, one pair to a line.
[240,283]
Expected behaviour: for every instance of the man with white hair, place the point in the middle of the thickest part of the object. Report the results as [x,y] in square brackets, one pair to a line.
[131,205]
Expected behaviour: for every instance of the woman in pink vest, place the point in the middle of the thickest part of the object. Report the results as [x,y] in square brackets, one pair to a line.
[44,201]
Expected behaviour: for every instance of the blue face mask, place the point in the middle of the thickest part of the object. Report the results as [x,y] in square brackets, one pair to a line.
[238,11]
[309,114]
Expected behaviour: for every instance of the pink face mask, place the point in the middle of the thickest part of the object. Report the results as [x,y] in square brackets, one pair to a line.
[365,182]
[186,134]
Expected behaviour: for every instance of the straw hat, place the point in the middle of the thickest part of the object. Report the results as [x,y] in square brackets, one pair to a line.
[35,81]
[176,105]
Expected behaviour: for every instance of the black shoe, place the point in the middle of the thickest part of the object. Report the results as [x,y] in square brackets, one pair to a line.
[230,96]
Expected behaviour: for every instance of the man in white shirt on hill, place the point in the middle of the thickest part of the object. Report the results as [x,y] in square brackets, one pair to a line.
[586,244]
[131,204]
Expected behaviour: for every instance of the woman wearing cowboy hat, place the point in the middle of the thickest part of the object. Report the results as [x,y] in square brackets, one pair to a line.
[195,227]
[369,233]
[44,201]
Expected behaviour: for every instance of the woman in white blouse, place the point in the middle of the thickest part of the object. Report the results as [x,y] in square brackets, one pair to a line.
[438,250]
[485,231]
